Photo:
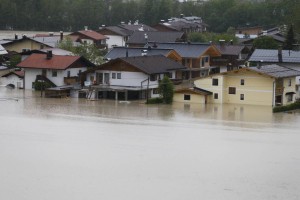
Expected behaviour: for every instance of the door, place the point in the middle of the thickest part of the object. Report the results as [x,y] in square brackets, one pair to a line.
[99,78]
[106,78]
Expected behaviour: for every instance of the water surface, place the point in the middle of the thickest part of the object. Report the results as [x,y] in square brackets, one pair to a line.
[78,149]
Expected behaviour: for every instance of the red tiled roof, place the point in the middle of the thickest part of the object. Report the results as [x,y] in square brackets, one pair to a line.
[39,61]
[93,35]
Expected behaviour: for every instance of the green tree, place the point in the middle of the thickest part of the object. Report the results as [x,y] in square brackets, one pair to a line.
[290,39]
[89,51]
[14,60]
[166,90]
[265,42]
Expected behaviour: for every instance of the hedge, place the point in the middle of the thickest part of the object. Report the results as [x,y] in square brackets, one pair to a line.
[157,100]
[293,106]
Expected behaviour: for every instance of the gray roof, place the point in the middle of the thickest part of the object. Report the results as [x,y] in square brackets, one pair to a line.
[58,51]
[137,27]
[230,49]
[185,50]
[118,30]
[276,71]
[138,37]
[51,41]
[120,52]
[271,56]
[2,50]
[153,64]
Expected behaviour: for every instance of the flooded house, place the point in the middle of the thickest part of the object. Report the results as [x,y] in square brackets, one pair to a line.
[268,85]
[197,57]
[57,71]
[131,78]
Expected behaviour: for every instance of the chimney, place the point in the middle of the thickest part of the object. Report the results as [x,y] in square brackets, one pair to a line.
[85,28]
[49,54]
[146,36]
[259,64]
[222,43]
[51,33]
[181,15]
[280,54]
[231,42]
[61,35]
[16,36]
[154,45]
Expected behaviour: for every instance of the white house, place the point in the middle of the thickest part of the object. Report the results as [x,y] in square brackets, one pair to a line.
[117,36]
[56,70]
[14,78]
[132,78]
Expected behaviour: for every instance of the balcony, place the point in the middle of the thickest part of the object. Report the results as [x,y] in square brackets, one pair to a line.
[71,80]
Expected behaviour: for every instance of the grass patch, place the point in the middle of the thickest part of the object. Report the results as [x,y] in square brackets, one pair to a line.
[293,106]
[157,100]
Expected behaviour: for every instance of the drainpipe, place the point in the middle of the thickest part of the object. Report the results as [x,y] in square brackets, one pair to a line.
[274,94]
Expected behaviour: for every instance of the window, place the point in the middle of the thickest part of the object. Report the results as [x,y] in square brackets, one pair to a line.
[54,73]
[290,82]
[232,90]
[152,77]
[91,78]
[242,97]
[79,72]
[187,97]
[242,82]
[155,91]
[69,73]
[289,97]
[216,96]
[215,81]
[118,75]
[113,75]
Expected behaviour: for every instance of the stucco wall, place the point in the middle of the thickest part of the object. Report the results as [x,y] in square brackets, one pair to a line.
[257,89]
[115,40]
[26,44]
[195,98]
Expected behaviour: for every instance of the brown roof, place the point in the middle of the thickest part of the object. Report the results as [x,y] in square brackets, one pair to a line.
[20,74]
[91,34]
[39,61]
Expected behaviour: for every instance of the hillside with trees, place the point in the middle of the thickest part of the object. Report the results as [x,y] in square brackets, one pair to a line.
[70,15]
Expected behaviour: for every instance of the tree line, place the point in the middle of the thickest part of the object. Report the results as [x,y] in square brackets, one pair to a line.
[71,15]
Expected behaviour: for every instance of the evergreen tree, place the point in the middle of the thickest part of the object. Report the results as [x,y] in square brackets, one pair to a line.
[166,90]
[290,39]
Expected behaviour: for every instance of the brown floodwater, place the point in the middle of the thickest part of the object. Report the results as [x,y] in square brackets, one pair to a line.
[80,149]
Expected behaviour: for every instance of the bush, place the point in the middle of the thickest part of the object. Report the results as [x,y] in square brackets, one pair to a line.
[157,100]
[293,106]
[41,85]
[166,90]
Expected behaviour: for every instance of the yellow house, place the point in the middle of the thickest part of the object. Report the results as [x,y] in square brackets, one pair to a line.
[268,85]
[24,44]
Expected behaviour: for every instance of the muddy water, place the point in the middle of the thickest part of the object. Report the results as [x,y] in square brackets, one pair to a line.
[78,149]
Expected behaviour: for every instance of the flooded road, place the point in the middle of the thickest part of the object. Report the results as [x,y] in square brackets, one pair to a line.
[78,149]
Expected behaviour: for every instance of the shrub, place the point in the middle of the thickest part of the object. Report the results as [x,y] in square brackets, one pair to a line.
[292,106]
[166,90]
[155,100]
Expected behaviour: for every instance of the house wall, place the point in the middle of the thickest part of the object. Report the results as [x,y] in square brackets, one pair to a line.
[257,89]
[195,98]
[30,75]
[87,41]
[115,40]
[25,44]
[131,79]
[289,85]
[12,79]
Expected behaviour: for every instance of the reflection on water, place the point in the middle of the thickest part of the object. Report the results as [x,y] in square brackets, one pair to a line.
[79,149]
[29,103]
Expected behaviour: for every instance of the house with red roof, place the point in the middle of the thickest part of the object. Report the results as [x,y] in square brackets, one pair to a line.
[89,37]
[56,70]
